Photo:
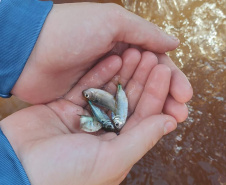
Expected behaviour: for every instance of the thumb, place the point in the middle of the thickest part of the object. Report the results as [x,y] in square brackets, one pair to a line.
[133,144]
[133,29]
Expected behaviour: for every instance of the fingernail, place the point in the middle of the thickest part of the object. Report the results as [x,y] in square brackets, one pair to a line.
[174,38]
[169,127]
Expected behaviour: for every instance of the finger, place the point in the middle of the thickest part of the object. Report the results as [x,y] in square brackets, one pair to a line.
[180,87]
[96,78]
[136,85]
[173,108]
[132,29]
[130,60]
[132,145]
[154,94]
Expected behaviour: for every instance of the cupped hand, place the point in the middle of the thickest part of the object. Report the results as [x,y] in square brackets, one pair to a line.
[52,148]
[74,38]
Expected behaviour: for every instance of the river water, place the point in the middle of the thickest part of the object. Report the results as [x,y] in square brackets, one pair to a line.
[195,153]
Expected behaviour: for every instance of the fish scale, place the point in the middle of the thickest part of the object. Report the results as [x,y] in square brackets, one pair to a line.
[102,117]
[121,112]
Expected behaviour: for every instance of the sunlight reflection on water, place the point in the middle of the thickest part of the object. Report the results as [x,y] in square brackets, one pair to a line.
[196,152]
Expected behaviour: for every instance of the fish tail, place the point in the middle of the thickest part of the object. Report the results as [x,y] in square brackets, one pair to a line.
[119,86]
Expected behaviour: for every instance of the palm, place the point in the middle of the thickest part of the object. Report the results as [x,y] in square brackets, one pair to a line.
[51,146]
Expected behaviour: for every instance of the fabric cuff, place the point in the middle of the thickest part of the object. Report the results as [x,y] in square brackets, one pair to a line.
[20,24]
[11,170]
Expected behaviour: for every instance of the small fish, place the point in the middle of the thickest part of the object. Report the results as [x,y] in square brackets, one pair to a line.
[102,117]
[89,124]
[100,97]
[121,112]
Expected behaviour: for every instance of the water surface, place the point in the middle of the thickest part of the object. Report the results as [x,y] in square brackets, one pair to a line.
[196,152]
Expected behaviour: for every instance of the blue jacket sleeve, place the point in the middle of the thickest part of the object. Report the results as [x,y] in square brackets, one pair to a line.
[20,24]
[11,170]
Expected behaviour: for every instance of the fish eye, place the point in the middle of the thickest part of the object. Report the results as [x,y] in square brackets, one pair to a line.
[86,95]
[117,124]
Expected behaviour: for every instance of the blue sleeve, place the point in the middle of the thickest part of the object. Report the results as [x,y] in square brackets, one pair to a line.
[20,24]
[11,170]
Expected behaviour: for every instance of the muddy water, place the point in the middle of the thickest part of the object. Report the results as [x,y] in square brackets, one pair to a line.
[194,154]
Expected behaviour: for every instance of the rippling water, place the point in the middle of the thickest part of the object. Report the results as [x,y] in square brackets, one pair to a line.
[194,154]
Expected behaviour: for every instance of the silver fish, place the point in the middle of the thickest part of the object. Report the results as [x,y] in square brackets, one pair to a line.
[102,117]
[100,97]
[121,112]
[89,124]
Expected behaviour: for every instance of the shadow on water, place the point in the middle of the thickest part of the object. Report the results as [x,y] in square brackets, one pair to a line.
[195,153]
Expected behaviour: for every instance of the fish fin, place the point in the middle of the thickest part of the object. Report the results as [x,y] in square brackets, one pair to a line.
[119,83]
[90,103]
[119,87]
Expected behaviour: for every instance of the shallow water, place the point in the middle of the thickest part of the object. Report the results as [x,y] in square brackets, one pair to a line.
[196,152]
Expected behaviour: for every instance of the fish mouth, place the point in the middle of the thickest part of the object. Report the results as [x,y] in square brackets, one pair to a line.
[118,125]
[84,93]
